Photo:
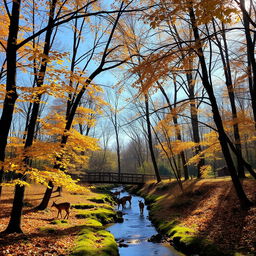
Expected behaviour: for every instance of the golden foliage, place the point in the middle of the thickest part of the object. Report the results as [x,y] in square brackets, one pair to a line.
[205,11]
[152,69]
[206,171]
[4,21]
[174,147]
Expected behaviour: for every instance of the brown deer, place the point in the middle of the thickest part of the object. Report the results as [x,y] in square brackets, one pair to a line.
[128,198]
[141,205]
[60,207]
[122,201]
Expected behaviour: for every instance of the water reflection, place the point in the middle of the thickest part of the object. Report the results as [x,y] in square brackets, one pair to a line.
[136,230]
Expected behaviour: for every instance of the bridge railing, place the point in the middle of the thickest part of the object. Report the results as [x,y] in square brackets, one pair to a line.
[111,177]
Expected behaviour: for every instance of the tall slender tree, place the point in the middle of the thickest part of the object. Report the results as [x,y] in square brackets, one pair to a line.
[11,90]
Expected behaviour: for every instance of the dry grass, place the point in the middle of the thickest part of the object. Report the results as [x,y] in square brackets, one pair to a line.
[50,240]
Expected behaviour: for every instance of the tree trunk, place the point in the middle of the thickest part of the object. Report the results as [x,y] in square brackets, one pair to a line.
[193,108]
[250,43]
[244,201]
[177,132]
[47,196]
[172,165]
[11,93]
[18,196]
[150,142]
[75,103]
[14,225]
[118,150]
[194,122]
[230,89]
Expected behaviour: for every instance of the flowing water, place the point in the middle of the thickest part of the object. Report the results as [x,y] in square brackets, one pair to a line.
[136,230]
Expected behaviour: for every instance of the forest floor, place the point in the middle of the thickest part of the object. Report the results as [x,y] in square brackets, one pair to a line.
[211,208]
[42,236]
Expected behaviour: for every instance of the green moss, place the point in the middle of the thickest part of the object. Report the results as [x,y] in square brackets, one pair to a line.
[102,198]
[92,205]
[186,240]
[59,222]
[167,226]
[83,206]
[92,222]
[92,243]
[149,199]
[180,231]
[102,214]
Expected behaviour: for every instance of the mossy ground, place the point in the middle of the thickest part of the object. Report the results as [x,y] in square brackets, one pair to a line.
[104,215]
[205,219]
[45,234]
[93,239]
[93,242]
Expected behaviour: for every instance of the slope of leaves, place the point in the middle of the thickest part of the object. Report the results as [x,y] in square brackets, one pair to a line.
[210,208]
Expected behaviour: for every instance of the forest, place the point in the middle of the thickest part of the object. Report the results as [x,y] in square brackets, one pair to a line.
[159,87]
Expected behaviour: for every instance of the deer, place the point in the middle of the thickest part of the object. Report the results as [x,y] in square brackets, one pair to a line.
[128,198]
[60,207]
[141,205]
[123,201]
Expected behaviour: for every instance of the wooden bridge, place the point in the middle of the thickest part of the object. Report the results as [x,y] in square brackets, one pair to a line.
[116,178]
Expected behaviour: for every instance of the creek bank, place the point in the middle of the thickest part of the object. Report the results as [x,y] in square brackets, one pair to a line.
[93,239]
[166,215]
[137,236]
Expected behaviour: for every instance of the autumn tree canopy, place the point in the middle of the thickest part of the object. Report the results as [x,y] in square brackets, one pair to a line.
[183,74]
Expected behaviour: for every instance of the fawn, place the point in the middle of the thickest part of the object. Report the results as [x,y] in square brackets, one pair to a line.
[141,205]
[60,207]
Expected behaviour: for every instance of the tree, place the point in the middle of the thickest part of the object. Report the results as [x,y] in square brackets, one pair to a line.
[229,83]
[150,141]
[114,119]
[73,11]
[11,91]
[15,221]
[78,96]
[177,129]
[250,44]
[244,201]
[197,13]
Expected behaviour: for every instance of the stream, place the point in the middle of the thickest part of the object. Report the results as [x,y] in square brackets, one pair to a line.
[136,230]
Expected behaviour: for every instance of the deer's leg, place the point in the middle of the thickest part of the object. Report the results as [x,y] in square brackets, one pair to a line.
[67,214]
